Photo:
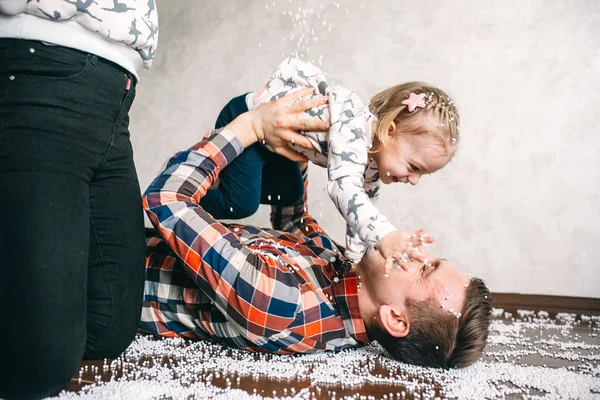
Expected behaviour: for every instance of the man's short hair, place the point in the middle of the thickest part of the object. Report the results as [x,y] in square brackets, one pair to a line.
[437,338]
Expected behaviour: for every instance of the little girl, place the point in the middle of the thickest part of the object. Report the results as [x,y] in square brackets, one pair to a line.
[406,131]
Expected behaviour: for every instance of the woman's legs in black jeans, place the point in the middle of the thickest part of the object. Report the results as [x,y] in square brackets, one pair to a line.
[257,176]
[117,248]
[71,238]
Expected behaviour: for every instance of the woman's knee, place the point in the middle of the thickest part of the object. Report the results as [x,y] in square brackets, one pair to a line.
[39,370]
[111,333]
[36,385]
[111,348]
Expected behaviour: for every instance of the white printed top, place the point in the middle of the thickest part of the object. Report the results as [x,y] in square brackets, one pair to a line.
[353,178]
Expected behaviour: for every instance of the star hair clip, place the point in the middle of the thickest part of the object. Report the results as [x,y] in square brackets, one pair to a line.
[415,101]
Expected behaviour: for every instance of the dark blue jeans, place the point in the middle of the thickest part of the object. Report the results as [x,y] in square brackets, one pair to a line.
[257,176]
[72,230]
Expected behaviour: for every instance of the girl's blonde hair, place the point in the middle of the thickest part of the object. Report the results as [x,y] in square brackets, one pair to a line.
[387,107]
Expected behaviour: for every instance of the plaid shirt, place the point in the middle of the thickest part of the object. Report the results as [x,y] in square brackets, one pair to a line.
[280,291]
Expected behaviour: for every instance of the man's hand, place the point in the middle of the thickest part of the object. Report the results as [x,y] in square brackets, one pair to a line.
[277,123]
[400,247]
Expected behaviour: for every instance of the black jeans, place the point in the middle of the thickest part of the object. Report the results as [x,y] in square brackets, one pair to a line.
[257,176]
[71,230]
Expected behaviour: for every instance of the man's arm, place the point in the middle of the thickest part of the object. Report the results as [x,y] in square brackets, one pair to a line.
[236,278]
[220,264]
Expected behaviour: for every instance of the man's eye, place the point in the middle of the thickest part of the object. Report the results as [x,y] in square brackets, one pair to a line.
[414,168]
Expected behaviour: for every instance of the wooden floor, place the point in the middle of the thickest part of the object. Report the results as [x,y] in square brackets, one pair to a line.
[531,347]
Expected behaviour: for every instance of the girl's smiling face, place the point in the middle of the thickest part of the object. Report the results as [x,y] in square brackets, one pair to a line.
[407,157]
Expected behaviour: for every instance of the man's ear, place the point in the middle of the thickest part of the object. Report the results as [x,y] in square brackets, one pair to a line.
[394,322]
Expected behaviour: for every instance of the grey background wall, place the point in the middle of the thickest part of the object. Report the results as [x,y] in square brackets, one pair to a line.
[520,204]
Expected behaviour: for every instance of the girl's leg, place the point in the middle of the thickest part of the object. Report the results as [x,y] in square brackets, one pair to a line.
[238,194]
[231,111]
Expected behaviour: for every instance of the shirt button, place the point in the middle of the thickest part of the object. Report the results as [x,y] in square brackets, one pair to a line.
[336,279]
[332,259]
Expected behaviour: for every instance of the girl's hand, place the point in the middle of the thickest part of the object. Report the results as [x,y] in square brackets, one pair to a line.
[277,123]
[401,247]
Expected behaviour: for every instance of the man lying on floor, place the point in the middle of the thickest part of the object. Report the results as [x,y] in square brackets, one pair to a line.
[289,289]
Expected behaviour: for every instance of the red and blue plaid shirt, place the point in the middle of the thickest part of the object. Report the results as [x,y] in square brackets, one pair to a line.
[281,291]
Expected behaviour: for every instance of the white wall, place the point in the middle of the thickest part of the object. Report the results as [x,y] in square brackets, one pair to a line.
[520,204]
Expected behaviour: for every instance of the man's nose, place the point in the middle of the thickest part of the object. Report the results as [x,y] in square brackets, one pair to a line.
[414,179]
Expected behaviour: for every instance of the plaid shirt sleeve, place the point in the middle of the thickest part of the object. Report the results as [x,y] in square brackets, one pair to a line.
[247,286]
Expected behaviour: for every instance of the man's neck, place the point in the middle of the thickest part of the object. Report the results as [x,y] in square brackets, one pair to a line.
[368,309]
